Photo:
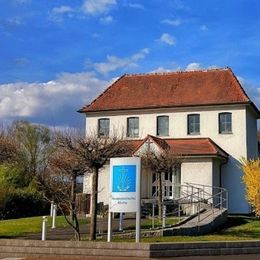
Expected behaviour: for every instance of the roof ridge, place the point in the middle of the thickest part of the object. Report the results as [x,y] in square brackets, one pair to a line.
[174,72]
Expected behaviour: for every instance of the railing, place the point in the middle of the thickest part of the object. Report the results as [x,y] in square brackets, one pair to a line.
[216,199]
[192,199]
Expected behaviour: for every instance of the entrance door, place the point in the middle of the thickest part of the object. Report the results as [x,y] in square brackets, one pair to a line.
[176,185]
[170,184]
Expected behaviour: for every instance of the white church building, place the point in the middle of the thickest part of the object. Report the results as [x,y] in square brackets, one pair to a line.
[204,116]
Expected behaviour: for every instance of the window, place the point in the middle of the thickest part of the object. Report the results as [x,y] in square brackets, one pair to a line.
[162,125]
[193,124]
[225,123]
[133,127]
[103,127]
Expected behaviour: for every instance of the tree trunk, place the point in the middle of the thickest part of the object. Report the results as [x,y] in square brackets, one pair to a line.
[160,195]
[76,225]
[73,198]
[93,221]
[73,210]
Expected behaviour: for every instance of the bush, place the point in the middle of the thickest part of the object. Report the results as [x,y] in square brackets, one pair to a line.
[251,178]
[22,203]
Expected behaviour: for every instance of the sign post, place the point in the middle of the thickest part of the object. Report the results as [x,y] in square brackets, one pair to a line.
[124,191]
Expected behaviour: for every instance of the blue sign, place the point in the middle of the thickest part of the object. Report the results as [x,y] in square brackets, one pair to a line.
[124,178]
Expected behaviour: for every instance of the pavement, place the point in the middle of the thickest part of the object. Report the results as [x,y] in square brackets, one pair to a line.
[68,233]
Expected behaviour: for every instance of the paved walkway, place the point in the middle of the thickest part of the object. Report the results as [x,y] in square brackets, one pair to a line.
[68,233]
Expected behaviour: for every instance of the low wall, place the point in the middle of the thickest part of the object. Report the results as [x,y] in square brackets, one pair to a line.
[70,249]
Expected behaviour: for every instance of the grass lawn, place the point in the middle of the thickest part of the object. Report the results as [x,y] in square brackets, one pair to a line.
[17,227]
[237,228]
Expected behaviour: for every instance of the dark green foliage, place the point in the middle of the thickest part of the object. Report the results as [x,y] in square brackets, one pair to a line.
[22,203]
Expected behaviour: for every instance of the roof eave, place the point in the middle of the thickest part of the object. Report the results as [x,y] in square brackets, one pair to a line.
[217,156]
[84,109]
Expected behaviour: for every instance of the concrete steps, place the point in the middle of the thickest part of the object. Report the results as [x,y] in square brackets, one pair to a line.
[16,248]
[204,249]
[102,250]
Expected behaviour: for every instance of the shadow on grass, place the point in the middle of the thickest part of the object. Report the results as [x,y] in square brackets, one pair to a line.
[240,226]
[8,237]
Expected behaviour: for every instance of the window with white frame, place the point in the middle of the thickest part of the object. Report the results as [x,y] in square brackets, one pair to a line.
[225,122]
[162,125]
[193,124]
[133,126]
[103,127]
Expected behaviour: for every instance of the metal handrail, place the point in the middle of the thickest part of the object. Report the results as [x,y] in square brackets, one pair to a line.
[195,194]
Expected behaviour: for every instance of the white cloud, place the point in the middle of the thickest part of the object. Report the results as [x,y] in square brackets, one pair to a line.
[55,100]
[160,70]
[88,7]
[135,5]
[197,66]
[62,9]
[174,22]
[113,62]
[106,20]
[178,5]
[57,13]
[213,67]
[167,39]
[193,66]
[203,28]
[95,7]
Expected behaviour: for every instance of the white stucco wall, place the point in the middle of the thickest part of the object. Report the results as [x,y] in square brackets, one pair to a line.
[237,144]
[87,183]
[197,171]
[103,184]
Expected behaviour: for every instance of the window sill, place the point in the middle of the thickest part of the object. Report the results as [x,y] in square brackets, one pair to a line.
[162,136]
[193,134]
[133,137]
[226,133]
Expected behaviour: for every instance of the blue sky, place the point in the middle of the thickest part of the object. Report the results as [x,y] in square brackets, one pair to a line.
[56,56]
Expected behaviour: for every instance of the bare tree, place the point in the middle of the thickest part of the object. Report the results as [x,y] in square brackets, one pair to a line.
[89,154]
[59,184]
[59,181]
[160,163]
[8,147]
[95,152]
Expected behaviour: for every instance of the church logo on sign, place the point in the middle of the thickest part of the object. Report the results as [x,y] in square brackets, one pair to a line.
[124,178]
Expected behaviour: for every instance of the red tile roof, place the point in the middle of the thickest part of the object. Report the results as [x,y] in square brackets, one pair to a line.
[174,89]
[185,146]
[198,146]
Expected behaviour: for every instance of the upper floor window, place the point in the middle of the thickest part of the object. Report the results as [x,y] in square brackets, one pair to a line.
[225,122]
[133,126]
[103,127]
[193,124]
[162,125]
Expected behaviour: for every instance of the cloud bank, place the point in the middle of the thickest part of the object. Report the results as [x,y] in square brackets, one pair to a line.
[54,102]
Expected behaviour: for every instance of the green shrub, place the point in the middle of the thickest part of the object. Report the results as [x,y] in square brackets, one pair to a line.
[20,203]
